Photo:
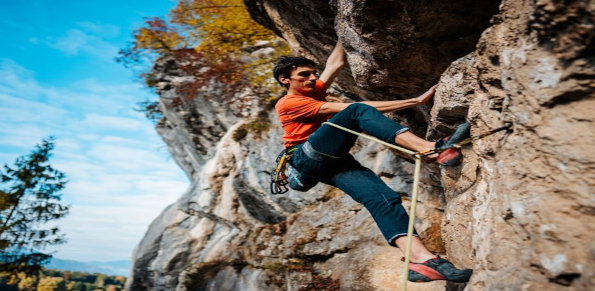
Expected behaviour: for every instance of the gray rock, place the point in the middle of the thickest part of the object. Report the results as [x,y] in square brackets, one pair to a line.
[519,210]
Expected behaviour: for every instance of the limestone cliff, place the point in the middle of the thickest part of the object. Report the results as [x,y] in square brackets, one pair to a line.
[520,210]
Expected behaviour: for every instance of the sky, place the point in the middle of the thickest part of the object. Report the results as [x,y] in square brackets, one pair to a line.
[58,78]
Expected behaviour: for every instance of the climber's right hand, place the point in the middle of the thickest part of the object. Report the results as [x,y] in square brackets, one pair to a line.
[425,97]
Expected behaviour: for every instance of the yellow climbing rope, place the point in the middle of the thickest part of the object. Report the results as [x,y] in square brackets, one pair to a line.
[417,156]
[413,195]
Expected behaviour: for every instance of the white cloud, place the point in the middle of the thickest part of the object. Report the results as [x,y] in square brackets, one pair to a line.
[89,137]
[71,43]
[110,139]
[94,96]
[77,41]
[113,230]
[17,80]
[8,158]
[23,136]
[119,180]
[161,186]
[113,123]
[69,145]
[99,29]
[22,97]
[92,85]
[116,228]
[21,110]
[128,158]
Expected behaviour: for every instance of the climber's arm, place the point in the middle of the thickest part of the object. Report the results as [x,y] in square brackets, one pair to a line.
[336,61]
[383,106]
[330,108]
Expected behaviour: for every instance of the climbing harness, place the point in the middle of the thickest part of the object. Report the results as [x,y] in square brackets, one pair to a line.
[418,158]
[278,178]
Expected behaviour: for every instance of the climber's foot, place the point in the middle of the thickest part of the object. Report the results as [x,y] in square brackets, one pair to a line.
[437,269]
[452,156]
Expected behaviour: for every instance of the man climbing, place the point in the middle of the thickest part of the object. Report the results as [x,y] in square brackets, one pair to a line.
[321,152]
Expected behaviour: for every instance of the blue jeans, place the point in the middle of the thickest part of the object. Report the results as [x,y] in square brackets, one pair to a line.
[325,158]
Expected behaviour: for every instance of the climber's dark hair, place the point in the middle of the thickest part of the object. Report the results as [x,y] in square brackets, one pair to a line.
[286,64]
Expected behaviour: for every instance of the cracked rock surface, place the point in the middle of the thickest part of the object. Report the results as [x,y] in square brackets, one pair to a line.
[520,210]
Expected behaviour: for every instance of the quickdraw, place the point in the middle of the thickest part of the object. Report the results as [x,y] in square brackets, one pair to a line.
[278,178]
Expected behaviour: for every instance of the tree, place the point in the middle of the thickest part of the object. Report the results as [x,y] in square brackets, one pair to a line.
[30,193]
[210,40]
[214,28]
[51,284]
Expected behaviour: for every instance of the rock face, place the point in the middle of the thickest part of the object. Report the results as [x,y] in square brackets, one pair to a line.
[520,210]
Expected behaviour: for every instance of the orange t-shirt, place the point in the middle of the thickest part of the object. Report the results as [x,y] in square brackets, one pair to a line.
[298,115]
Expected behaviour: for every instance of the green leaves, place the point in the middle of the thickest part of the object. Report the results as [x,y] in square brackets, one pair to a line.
[30,197]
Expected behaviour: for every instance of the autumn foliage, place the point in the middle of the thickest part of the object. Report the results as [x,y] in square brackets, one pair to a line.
[221,26]
[211,40]
[57,280]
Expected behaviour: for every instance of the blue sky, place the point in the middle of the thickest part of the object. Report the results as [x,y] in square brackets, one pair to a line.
[58,77]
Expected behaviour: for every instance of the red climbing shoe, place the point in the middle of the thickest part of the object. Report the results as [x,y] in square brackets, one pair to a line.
[452,156]
[437,269]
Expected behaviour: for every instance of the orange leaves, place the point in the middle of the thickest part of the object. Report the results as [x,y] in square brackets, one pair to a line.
[158,37]
[221,26]
[211,40]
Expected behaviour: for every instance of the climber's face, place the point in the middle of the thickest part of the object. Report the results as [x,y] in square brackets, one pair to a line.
[302,80]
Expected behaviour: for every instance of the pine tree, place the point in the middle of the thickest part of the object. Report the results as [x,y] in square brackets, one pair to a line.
[30,193]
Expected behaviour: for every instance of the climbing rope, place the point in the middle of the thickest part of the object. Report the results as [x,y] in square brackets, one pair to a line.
[417,156]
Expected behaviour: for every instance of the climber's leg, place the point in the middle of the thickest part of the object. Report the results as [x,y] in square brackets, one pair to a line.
[419,252]
[411,141]
[359,117]
[384,205]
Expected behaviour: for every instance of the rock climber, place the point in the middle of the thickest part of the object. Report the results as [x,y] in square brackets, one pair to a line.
[320,153]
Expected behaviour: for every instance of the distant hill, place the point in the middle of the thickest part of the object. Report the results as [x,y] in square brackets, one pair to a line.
[112,268]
